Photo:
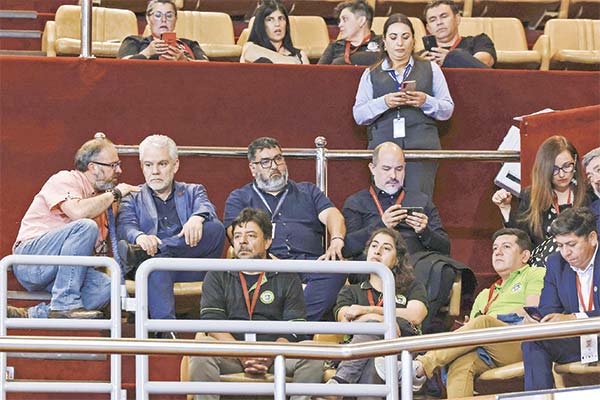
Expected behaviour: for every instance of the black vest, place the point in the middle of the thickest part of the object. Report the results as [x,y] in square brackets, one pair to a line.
[421,130]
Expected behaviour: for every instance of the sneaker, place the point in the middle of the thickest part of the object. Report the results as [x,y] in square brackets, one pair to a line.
[16,312]
[417,381]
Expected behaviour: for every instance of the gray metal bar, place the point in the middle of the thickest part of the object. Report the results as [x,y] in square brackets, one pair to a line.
[301,350]
[143,324]
[279,370]
[241,152]
[407,373]
[58,387]
[321,160]
[86,29]
[113,324]
[20,34]
[21,14]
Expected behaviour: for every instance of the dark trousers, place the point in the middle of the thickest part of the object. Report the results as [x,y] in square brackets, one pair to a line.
[161,301]
[460,58]
[538,357]
[320,293]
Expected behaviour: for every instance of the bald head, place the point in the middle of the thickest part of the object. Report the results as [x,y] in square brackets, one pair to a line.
[387,167]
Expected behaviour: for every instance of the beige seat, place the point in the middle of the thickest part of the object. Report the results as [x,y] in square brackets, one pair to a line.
[187,296]
[137,6]
[309,33]
[243,38]
[571,44]
[509,39]
[418,26]
[212,30]
[62,36]
[577,374]
[532,12]
[411,8]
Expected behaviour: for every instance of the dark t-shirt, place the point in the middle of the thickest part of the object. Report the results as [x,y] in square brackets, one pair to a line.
[133,45]
[476,44]
[358,294]
[366,54]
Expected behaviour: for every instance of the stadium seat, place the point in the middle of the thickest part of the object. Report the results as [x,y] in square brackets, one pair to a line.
[511,376]
[212,30]
[137,6]
[571,44]
[577,374]
[509,39]
[411,8]
[418,26]
[62,37]
[309,33]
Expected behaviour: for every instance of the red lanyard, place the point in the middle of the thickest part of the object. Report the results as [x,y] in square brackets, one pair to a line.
[348,52]
[580,296]
[490,299]
[252,306]
[555,202]
[456,43]
[372,301]
[378,204]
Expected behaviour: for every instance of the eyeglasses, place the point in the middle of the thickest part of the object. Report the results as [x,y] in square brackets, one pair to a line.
[567,169]
[267,163]
[158,15]
[113,165]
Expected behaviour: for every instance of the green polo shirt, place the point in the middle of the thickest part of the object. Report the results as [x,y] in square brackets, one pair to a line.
[512,292]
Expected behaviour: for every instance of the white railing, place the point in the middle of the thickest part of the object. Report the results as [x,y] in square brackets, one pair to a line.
[280,388]
[113,324]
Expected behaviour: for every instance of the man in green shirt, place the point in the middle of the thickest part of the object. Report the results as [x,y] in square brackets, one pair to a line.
[519,285]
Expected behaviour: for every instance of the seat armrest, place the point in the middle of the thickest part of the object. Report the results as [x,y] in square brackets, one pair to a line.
[49,38]
[542,46]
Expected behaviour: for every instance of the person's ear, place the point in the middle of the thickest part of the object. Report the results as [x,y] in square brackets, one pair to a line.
[525,256]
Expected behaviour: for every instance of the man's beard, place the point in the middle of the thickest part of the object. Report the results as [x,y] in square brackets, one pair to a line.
[103,186]
[274,184]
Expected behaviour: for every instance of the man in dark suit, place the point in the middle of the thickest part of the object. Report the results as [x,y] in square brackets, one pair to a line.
[166,219]
[570,292]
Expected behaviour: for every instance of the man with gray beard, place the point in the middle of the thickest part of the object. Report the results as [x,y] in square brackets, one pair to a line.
[69,217]
[300,213]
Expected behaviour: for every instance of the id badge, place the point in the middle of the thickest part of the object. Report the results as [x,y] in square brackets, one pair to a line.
[589,348]
[399,131]
[250,337]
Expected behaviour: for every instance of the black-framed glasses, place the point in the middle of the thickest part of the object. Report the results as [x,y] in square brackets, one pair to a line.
[113,165]
[267,163]
[158,15]
[567,169]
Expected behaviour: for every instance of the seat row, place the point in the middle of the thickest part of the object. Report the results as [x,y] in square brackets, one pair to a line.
[564,42]
[525,10]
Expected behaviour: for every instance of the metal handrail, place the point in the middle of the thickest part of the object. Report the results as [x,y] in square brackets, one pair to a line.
[321,155]
[86,29]
[299,350]
[143,325]
[113,324]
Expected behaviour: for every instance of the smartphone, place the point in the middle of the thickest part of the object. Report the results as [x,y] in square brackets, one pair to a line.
[533,312]
[170,38]
[411,210]
[429,42]
[408,86]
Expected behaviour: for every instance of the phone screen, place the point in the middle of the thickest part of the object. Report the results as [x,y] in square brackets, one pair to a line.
[408,86]
[170,38]
[533,312]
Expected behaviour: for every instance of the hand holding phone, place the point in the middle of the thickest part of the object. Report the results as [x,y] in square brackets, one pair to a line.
[408,86]
[533,312]
[412,210]
[170,38]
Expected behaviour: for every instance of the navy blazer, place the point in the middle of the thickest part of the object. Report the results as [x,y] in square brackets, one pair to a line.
[559,294]
[138,215]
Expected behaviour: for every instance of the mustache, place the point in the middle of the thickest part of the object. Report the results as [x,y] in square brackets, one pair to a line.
[392,181]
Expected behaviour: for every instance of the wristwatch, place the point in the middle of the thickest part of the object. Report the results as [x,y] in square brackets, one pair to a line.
[117,195]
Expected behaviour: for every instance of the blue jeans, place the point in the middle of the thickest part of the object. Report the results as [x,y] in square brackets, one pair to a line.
[71,286]
[161,301]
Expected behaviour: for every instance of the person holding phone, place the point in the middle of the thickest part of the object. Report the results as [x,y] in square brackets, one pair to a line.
[163,44]
[270,41]
[502,304]
[406,117]
[387,203]
[446,47]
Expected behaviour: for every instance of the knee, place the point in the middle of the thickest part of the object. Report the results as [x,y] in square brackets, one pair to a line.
[214,229]
[483,321]
[87,226]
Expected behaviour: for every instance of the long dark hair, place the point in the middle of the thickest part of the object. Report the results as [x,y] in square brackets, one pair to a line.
[258,34]
[541,182]
[403,271]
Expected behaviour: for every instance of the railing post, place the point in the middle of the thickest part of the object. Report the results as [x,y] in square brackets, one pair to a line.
[321,158]
[407,372]
[279,377]
[86,29]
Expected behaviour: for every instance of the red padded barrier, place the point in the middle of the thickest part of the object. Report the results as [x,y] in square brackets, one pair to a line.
[48,107]
[581,126]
